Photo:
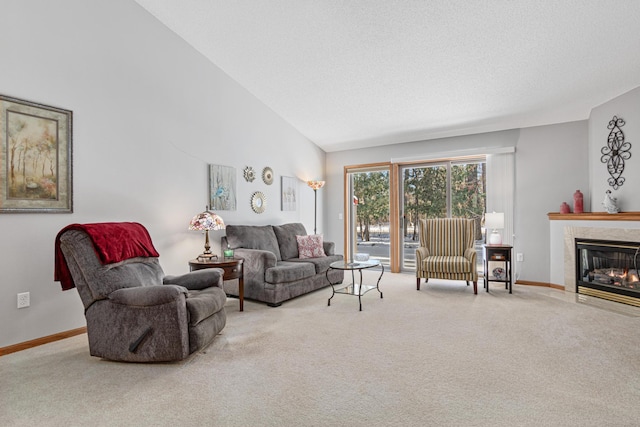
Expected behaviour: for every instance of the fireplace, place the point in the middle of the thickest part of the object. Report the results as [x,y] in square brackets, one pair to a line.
[608,269]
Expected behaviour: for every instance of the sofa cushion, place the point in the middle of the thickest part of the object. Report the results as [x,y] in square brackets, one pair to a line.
[253,237]
[321,264]
[286,272]
[310,246]
[286,235]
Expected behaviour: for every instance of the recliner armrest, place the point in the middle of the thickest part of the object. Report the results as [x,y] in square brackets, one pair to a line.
[145,296]
[196,280]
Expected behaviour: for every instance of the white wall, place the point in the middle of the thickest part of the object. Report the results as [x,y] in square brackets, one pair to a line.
[626,107]
[551,163]
[150,113]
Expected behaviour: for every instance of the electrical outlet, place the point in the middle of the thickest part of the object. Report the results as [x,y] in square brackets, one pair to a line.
[520,257]
[24,300]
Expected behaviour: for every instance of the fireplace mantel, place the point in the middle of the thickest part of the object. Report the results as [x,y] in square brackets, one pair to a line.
[594,216]
[564,228]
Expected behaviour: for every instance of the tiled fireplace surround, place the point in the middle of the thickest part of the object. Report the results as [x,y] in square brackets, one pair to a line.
[565,228]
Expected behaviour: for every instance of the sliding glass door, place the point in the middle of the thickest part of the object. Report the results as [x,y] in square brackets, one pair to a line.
[368,229]
[440,190]
[385,203]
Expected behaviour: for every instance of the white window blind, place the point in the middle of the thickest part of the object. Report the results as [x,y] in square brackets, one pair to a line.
[500,190]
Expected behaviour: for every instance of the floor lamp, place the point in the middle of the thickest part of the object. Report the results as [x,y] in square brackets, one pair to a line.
[315,185]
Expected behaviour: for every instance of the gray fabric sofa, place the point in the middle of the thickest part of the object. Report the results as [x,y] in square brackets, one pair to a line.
[135,313]
[273,271]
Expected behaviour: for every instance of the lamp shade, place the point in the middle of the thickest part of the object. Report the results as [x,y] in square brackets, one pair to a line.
[205,221]
[315,185]
[494,220]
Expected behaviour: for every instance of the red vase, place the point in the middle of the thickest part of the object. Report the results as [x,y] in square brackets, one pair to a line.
[578,202]
[564,208]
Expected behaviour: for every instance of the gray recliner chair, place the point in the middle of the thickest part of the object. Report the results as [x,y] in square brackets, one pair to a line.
[134,312]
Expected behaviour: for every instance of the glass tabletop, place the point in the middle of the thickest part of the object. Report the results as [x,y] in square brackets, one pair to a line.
[354,265]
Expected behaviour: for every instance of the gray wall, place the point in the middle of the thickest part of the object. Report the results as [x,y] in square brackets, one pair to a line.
[150,113]
[551,162]
[626,107]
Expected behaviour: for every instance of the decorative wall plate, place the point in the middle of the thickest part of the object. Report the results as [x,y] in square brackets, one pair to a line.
[267,175]
[258,202]
[249,174]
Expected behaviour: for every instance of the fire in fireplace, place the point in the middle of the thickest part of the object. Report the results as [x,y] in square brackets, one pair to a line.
[608,269]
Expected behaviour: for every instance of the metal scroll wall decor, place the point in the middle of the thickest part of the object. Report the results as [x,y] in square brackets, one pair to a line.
[615,152]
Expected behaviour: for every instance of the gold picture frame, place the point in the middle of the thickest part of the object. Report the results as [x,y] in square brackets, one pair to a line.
[35,157]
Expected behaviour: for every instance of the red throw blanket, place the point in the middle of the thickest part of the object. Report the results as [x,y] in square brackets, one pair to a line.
[113,242]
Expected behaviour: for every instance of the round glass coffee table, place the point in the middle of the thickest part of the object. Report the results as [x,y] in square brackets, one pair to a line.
[354,288]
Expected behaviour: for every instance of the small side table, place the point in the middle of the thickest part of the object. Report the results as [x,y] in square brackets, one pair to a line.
[232,270]
[354,288]
[498,253]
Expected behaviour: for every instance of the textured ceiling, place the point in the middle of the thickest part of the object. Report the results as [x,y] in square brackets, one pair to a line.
[357,73]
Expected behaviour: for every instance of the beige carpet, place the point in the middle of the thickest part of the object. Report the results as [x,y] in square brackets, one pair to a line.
[436,357]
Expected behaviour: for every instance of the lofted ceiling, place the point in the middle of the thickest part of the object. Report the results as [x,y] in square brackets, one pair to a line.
[360,73]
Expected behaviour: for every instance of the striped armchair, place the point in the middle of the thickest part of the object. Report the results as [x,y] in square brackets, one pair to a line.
[447,251]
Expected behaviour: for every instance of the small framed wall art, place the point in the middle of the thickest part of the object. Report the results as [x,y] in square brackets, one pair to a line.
[289,195]
[222,188]
[35,157]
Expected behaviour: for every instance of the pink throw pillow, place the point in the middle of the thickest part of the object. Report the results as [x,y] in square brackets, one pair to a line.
[310,246]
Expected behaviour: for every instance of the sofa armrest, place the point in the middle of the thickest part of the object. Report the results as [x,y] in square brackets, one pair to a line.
[147,296]
[198,279]
[257,257]
[329,248]
[256,263]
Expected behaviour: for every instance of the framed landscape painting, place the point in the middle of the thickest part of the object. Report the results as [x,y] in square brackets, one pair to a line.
[35,157]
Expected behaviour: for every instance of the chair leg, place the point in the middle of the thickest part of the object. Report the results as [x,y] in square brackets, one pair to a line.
[475,287]
[418,283]
[467,283]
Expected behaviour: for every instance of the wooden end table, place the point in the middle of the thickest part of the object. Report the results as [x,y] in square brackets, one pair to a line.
[232,270]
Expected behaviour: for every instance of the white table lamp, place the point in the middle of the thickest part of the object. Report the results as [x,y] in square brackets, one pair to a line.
[495,222]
